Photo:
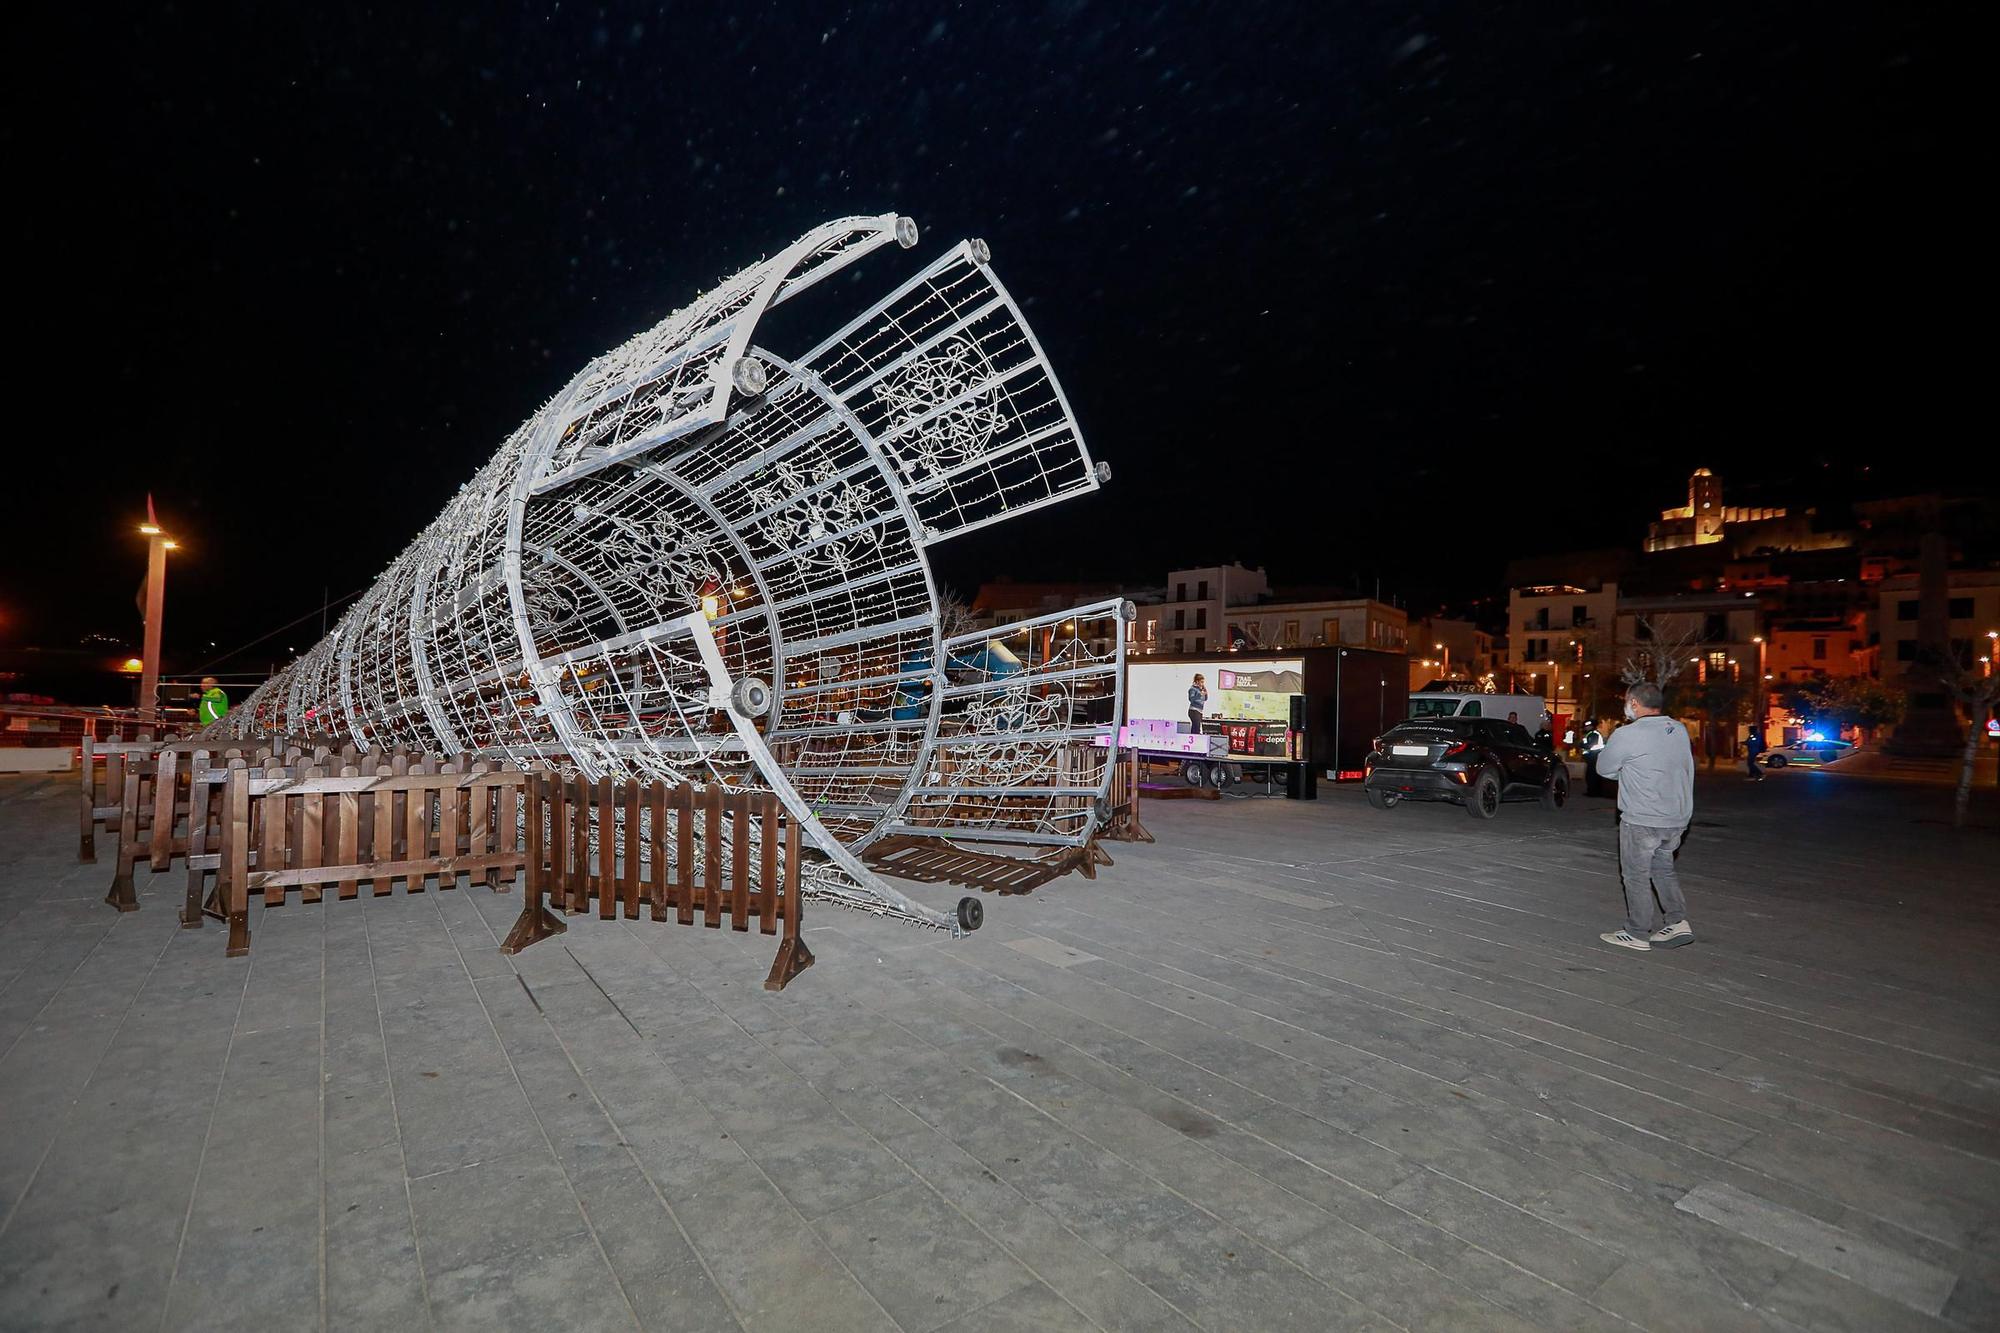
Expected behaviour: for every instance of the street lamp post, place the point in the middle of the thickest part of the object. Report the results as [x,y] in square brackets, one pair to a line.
[1444,671]
[1763,690]
[158,543]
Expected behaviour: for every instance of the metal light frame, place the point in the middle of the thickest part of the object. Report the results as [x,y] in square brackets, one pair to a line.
[703,560]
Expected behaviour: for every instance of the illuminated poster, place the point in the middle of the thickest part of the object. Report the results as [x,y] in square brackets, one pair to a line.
[1239,690]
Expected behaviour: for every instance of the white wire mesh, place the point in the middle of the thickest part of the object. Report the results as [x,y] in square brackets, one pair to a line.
[694,513]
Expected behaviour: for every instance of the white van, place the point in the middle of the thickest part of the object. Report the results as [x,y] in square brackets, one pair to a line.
[1531,710]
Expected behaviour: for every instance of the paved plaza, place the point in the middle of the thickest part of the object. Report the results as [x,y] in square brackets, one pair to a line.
[1293,1066]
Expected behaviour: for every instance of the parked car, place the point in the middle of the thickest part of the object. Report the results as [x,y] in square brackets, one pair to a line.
[1478,762]
[1806,753]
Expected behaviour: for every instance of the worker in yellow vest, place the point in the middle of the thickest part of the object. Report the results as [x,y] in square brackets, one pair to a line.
[214,703]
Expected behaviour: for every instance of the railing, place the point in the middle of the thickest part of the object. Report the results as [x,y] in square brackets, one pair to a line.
[676,852]
[265,820]
[1121,822]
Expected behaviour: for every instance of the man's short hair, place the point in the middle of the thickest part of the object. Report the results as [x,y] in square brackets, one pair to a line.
[1647,695]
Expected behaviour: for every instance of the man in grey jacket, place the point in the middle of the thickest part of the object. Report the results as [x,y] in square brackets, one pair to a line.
[1653,763]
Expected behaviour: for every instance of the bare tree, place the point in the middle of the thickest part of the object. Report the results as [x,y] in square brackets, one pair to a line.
[1979,694]
[955,613]
[1664,657]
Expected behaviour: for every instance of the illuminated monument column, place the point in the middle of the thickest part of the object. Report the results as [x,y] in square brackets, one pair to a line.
[707,560]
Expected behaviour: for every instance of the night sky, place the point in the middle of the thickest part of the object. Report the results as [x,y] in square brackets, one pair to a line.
[1353,291]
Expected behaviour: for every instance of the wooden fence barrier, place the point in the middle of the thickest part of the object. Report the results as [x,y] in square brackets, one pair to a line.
[166,804]
[1122,823]
[404,822]
[268,818]
[104,764]
[643,854]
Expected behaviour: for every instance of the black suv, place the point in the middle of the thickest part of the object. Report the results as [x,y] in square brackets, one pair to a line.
[1477,761]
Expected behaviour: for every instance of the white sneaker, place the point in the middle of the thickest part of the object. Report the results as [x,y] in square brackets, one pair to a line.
[1625,939]
[1674,936]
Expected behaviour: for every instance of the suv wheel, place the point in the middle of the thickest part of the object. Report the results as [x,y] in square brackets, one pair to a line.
[1383,800]
[1483,800]
[1556,795]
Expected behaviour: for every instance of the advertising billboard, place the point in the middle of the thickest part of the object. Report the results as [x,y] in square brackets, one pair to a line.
[1239,689]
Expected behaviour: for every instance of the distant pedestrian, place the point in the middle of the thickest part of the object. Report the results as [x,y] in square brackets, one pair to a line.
[213,704]
[1593,741]
[1753,747]
[1653,763]
[1197,702]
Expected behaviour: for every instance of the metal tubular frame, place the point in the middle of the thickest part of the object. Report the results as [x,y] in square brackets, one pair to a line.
[703,560]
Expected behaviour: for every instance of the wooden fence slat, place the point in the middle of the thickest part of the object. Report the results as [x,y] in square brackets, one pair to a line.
[633,842]
[579,849]
[479,838]
[657,804]
[607,850]
[739,857]
[711,859]
[508,827]
[558,815]
[347,847]
[378,834]
[684,854]
[270,842]
[165,784]
[416,831]
[311,843]
[447,838]
[767,873]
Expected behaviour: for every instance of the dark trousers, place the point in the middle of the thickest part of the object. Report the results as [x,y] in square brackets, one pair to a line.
[1194,721]
[1754,772]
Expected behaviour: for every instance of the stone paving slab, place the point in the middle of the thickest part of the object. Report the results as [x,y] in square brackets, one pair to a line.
[1295,1065]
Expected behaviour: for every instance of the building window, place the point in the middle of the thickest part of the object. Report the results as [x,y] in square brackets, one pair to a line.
[1201,643]
[1180,592]
[1716,629]
[1538,650]
[1541,620]
[1201,617]
[1180,617]
[1819,650]
[1960,608]
[1579,616]
[1330,630]
[1906,650]
[1906,609]
[1718,663]
[1291,632]
[1201,591]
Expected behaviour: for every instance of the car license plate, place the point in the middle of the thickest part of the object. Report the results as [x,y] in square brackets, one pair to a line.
[1420,751]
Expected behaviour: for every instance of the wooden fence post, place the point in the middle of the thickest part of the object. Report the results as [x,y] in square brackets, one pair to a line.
[232,879]
[86,848]
[793,955]
[536,922]
[123,896]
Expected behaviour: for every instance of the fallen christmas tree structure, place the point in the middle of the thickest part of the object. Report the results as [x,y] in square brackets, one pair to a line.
[706,561]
